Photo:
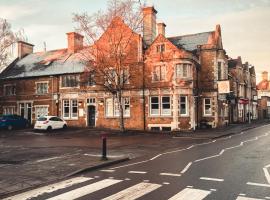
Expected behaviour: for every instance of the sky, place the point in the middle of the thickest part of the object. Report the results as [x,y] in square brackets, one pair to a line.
[245,24]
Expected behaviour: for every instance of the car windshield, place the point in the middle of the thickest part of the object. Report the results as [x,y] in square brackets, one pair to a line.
[41,119]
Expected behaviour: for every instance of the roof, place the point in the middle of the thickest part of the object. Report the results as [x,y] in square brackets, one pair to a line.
[191,42]
[47,63]
[232,63]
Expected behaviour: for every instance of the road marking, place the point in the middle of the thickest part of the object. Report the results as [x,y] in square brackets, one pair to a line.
[166,183]
[136,172]
[213,190]
[186,168]
[88,189]
[191,194]
[48,189]
[48,159]
[258,184]
[127,179]
[266,173]
[242,194]
[134,192]
[146,181]
[214,156]
[169,174]
[212,179]
[267,197]
[107,170]
[246,198]
[189,186]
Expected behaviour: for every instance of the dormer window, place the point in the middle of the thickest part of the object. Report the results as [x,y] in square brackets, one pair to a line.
[160,48]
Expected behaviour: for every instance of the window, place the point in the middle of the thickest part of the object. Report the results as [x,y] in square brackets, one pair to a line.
[91,101]
[41,111]
[42,88]
[160,48]
[9,110]
[207,107]
[70,109]
[154,106]
[112,107]
[70,81]
[9,90]
[183,70]
[159,73]
[91,79]
[125,76]
[219,70]
[183,105]
[166,106]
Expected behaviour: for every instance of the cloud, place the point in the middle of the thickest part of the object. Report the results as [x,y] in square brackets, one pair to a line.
[14,12]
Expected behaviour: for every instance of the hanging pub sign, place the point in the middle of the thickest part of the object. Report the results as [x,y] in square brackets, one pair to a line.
[224,87]
[243,101]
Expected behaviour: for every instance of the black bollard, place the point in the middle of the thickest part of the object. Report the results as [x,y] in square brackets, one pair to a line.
[104,148]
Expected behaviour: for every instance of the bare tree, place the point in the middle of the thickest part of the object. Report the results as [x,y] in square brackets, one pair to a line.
[7,39]
[113,39]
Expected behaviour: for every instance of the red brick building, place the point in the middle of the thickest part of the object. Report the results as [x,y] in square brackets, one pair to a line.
[173,82]
[263,88]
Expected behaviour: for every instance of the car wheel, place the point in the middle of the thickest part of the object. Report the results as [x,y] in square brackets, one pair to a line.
[65,126]
[49,128]
[10,127]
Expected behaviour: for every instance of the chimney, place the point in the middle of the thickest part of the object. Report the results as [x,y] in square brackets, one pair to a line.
[161,28]
[149,25]
[75,42]
[265,76]
[24,49]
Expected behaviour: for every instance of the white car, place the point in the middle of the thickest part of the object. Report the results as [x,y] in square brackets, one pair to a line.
[49,123]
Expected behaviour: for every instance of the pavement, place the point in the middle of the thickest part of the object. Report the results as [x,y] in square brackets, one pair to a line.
[29,160]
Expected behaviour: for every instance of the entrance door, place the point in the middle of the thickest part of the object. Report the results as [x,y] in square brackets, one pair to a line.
[91,116]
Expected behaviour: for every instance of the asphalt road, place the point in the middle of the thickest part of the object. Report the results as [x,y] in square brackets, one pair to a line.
[235,167]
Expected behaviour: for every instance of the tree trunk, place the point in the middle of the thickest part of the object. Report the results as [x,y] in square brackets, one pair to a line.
[121,112]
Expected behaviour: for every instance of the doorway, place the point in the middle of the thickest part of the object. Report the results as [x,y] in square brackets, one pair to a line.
[91,116]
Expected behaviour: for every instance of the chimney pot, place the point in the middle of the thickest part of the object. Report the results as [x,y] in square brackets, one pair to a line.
[75,42]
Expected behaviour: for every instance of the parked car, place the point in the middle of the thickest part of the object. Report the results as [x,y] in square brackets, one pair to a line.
[49,123]
[13,121]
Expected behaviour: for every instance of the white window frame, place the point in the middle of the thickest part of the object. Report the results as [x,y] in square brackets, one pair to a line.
[179,70]
[159,73]
[41,107]
[115,109]
[204,106]
[162,103]
[186,105]
[160,109]
[70,104]
[7,109]
[42,82]
[5,89]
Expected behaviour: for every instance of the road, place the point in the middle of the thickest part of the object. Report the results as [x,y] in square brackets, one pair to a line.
[234,167]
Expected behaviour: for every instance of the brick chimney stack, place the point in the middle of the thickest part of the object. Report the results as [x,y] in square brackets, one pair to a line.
[161,28]
[149,25]
[265,76]
[24,48]
[75,42]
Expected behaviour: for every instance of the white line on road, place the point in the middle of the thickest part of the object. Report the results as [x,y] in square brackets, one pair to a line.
[246,198]
[191,194]
[212,179]
[186,168]
[258,184]
[48,189]
[107,170]
[169,174]
[88,189]
[48,159]
[266,173]
[134,192]
[136,172]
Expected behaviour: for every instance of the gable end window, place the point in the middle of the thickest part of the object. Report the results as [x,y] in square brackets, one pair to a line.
[160,48]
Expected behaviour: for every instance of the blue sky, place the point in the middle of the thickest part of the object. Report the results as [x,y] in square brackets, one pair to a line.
[245,23]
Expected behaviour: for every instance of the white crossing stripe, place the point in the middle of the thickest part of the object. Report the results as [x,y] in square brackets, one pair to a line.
[169,174]
[134,192]
[212,179]
[48,189]
[246,198]
[136,172]
[191,194]
[88,189]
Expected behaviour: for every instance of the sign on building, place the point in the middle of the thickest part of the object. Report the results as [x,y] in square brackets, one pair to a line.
[223,87]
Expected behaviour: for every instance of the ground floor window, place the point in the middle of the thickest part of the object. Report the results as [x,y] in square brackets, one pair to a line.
[240,110]
[70,108]
[41,111]
[183,102]
[207,107]
[9,110]
[112,107]
[160,106]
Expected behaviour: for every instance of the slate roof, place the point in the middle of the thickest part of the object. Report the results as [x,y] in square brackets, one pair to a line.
[232,63]
[190,42]
[47,63]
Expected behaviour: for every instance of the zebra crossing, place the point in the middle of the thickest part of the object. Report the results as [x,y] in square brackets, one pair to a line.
[79,187]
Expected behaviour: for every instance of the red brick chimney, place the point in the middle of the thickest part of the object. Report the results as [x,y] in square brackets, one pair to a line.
[24,48]
[75,42]
[149,25]
[265,76]
[161,28]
